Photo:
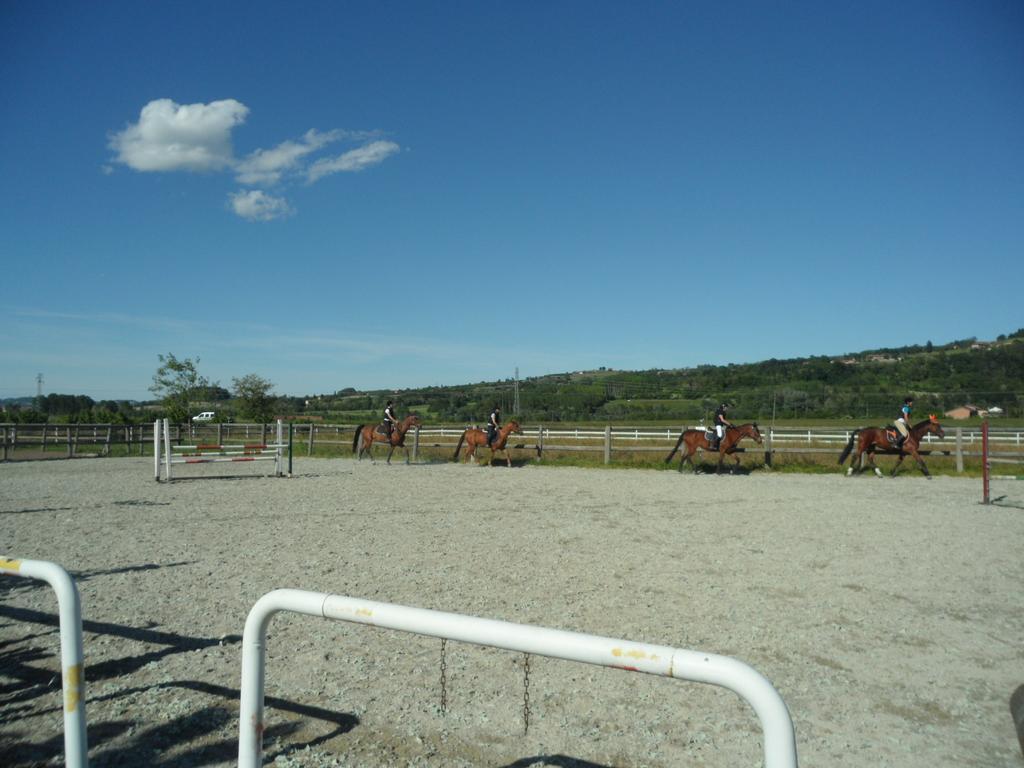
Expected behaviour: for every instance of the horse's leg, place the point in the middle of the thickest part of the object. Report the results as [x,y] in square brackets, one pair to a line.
[855,462]
[508,459]
[921,464]
[871,462]
[683,456]
[896,466]
[391,449]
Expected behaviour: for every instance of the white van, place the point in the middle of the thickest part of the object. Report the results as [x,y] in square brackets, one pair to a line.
[204,416]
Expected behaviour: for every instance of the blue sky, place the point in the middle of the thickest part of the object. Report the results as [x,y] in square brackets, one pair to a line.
[406,194]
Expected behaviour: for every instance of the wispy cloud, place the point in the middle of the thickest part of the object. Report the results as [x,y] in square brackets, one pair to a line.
[198,137]
[353,161]
[266,166]
[257,205]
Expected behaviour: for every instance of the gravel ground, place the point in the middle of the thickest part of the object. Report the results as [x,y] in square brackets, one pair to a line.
[887,613]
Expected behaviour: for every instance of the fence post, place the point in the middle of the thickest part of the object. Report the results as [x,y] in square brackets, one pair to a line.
[44,437]
[263,434]
[768,448]
[69,449]
[416,444]
[959,449]
[309,445]
[291,438]
[110,435]
[608,445]
[984,460]
[540,441]
[5,442]
[220,434]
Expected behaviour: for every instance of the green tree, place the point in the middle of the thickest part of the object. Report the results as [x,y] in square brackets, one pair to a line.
[179,385]
[255,401]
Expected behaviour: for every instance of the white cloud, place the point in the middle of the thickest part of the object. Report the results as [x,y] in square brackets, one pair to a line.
[180,137]
[352,161]
[265,166]
[256,205]
[197,137]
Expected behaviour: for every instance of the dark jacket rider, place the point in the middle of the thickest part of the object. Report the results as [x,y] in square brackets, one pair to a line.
[493,425]
[721,422]
[390,420]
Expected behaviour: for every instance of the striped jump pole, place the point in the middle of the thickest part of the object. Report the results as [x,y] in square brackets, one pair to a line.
[76,749]
[202,453]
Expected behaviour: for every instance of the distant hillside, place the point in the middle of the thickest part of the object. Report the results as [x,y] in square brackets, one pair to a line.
[868,384]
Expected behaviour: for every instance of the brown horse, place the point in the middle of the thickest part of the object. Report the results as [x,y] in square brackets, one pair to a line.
[477,438]
[367,434]
[870,439]
[697,438]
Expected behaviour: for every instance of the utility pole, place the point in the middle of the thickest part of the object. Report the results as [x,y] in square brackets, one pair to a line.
[515,402]
[39,391]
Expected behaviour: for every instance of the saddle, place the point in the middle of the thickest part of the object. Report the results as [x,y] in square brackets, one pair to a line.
[382,429]
[893,436]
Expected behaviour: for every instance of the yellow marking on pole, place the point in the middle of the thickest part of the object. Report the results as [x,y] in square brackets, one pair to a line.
[10,565]
[73,680]
[634,654]
[364,612]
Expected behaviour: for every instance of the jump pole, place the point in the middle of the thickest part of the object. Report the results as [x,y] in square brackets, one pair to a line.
[779,738]
[156,450]
[224,453]
[76,749]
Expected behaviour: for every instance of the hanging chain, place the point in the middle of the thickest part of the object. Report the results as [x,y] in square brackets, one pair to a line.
[444,679]
[526,693]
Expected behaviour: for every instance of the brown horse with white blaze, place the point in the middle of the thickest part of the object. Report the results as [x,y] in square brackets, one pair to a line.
[367,434]
[477,438]
[870,439]
[697,438]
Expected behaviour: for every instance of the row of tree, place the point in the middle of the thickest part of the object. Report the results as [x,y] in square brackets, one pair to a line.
[181,389]
[866,385]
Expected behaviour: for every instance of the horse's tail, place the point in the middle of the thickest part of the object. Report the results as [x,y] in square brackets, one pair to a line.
[675,447]
[355,439]
[849,446]
[458,446]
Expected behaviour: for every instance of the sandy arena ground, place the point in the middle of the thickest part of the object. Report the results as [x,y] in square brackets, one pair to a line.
[887,613]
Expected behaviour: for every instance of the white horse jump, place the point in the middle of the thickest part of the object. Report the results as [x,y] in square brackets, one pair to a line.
[779,737]
[76,750]
[167,455]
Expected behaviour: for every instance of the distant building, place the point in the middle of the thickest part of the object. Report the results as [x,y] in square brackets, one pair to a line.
[995,410]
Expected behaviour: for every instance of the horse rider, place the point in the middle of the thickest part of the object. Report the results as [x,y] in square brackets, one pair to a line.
[390,420]
[902,422]
[721,422]
[493,425]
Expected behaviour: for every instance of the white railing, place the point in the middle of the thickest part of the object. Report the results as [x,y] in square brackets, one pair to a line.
[76,751]
[779,737]
[782,435]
